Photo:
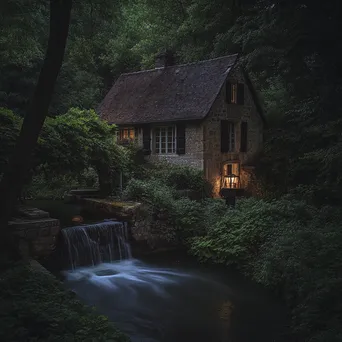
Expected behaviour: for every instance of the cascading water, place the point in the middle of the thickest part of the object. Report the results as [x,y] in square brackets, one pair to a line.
[97,243]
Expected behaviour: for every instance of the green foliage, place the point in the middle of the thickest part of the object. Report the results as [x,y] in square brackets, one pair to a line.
[292,248]
[303,264]
[183,216]
[76,140]
[153,191]
[35,307]
[9,131]
[76,148]
[55,187]
[235,237]
[181,177]
[298,76]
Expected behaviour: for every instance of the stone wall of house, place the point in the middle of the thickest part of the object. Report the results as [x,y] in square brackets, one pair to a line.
[193,149]
[213,157]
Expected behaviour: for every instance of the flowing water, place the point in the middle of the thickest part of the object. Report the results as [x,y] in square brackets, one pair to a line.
[156,302]
[96,243]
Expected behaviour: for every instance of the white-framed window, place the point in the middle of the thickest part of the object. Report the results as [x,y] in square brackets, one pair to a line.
[164,139]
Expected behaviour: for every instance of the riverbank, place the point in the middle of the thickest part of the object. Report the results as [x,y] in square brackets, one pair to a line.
[36,307]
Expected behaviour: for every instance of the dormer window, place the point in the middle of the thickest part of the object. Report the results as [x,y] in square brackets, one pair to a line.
[235,93]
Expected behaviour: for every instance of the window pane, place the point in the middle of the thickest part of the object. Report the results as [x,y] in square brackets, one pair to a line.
[165,139]
[234,93]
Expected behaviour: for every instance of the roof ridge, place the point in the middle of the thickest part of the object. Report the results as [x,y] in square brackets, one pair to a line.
[178,65]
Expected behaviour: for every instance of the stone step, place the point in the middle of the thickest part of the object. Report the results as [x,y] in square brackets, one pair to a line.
[31,213]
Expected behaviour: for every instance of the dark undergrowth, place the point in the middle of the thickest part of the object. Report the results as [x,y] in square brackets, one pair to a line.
[35,307]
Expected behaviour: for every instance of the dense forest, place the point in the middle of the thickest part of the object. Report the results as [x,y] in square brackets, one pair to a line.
[291,49]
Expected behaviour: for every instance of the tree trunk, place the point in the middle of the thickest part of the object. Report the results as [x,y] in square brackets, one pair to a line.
[20,162]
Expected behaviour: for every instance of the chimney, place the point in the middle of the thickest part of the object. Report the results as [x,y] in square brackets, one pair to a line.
[164,59]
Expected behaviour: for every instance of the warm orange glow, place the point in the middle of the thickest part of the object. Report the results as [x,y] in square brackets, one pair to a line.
[230,176]
[126,133]
[230,182]
[77,219]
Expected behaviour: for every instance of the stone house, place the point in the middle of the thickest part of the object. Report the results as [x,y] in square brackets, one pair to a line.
[204,114]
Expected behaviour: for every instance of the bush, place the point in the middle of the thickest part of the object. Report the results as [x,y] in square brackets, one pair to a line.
[9,131]
[181,177]
[183,216]
[235,238]
[55,187]
[35,307]
[303,265]
[68,147]
[292,248]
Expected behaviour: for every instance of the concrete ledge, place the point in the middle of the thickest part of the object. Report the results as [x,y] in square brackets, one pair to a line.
[108,208]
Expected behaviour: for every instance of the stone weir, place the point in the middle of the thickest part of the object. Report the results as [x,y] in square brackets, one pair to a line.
[110,208]
[36,230]
[96,243]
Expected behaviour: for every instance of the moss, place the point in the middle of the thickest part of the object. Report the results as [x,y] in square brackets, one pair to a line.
[114,204]
[35,307]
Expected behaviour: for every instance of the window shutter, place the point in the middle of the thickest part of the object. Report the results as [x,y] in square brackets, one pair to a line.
[228,92]
[224,136]
[243,142]
[240,93]
[180,139]
[147,140]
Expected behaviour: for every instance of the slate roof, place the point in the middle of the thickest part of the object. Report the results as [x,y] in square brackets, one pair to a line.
[174,93]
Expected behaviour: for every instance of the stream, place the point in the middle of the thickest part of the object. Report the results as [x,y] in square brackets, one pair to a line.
[169,297]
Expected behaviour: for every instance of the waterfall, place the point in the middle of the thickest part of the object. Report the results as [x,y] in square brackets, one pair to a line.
[97,243]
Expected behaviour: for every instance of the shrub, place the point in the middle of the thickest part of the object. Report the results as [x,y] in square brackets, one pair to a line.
[184,217]
[181,177]
[292,248]
[9,131]
[236,237]
[35,307]
[302,264]
[151,191]
[55,186]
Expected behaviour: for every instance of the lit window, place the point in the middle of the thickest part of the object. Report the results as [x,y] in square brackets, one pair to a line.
[165,140]
[126,134]
[234,90]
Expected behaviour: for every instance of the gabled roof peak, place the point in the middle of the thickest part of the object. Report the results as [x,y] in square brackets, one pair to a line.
[173,93]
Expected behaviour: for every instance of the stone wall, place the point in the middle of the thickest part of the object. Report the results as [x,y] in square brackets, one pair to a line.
[36,230]
[213,157]
[193,149]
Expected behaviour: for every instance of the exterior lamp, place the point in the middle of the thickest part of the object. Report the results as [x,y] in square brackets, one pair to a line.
[230,181]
